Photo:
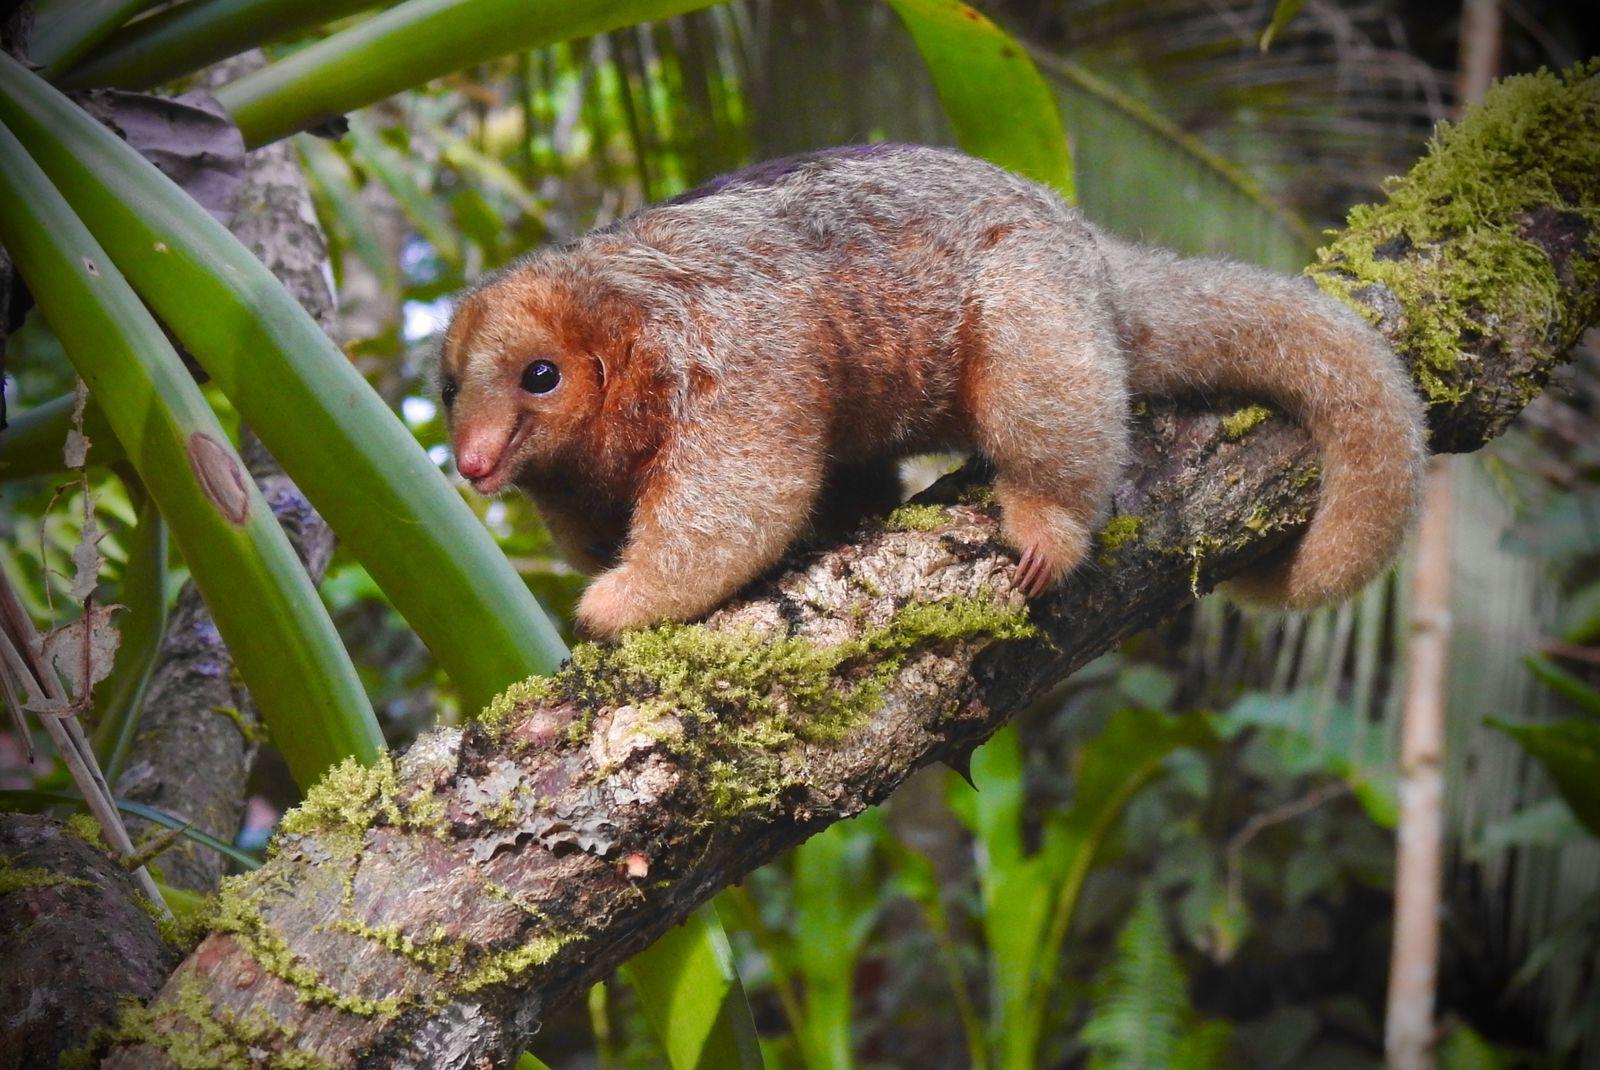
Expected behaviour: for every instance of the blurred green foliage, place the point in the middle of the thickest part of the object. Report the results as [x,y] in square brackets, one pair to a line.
[1182,858]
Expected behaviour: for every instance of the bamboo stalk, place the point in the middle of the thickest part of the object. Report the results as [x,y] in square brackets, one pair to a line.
[1419,861]
[1409,1029]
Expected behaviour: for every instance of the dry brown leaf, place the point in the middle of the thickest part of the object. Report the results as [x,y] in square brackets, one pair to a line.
[66,649]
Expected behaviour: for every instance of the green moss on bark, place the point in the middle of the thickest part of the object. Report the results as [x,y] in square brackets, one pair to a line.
[87,829]
[1238,424]
[916,518]
[1119,533]
[1449,243]
[239,914]
[738,699]
[22,878]
[195,1034]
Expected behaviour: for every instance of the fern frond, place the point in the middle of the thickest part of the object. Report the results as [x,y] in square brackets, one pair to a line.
[1137,1023]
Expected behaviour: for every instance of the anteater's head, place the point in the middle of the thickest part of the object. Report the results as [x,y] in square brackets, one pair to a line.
[525,370]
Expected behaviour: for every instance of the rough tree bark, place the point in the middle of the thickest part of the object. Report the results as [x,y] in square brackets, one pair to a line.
[74,939]
[429,911]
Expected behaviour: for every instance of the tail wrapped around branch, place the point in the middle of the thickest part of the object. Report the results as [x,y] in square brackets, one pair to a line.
[1210,326]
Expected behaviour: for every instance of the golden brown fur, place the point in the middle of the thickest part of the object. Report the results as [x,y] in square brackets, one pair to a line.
[751,359]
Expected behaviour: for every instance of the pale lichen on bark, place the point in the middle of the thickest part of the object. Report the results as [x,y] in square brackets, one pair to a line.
[428,911]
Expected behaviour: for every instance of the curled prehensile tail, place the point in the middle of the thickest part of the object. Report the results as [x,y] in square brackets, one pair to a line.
[1214,326]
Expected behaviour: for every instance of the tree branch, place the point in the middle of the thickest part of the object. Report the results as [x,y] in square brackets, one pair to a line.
[427,913]
[74,939]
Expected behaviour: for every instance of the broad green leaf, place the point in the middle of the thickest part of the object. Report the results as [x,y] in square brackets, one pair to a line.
[1000,106]
[407,45]
[1570,751]
[186,37]
[1549,823]
[690,993]
[261,599]
[837,900]
[1017,895]
[333,435]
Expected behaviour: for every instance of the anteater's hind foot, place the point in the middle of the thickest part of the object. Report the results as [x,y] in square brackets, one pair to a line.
[1052,538]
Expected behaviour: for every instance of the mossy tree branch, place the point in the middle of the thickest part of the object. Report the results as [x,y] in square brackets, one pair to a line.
[76,937]
[428,912]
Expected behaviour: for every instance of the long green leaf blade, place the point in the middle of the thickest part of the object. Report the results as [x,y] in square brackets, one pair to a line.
[187,37]
[1001,107]
[409,44]
[1570,751]
[691,995]
[20,797]
[331,432]
[263,602]
[66,30]
[1282,15]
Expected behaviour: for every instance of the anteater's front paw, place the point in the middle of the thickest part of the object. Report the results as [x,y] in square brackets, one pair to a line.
[611,606]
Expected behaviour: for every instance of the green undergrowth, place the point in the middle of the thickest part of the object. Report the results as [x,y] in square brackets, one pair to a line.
[738,699]
[1447,244]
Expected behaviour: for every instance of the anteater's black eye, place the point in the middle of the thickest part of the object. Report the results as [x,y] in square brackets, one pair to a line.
[448,392]
[540,377]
